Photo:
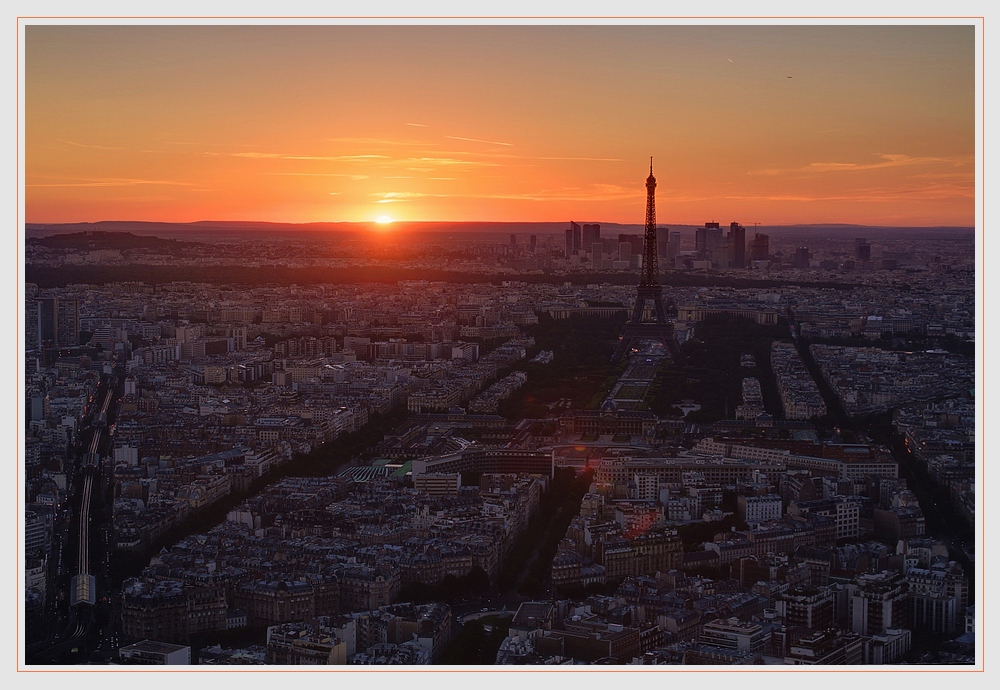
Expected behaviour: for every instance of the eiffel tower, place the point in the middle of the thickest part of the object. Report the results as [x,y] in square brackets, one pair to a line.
[636,329]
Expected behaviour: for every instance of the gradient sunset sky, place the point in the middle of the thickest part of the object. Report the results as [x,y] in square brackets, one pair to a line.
[769,124]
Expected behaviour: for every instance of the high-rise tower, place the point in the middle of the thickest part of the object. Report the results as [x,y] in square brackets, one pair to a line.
[738,245]
[636,329]
[760,247]
[591,234]
[57,322]
[573,239]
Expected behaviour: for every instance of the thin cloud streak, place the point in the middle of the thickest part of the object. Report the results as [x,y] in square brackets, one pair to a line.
[89,146]
[481,141]
[575,158]
[514,156]
[113,182]
[403,195]
[575,194]
[969,176]
[140,198]
[889,160]
[886,196]
[377,142]
[367,157]
[448,161]
[306,174]
[291,157]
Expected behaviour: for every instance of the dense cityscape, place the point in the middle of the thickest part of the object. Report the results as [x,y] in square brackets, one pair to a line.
[520,345]
[426,472]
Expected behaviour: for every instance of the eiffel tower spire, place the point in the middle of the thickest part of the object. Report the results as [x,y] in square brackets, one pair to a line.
[649,288]
[650,270]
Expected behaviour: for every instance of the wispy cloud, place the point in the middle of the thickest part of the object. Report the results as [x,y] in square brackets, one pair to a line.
[377,142]
[244,145]
[388,197]
[889,160]
[969,176]
[597,192]
[132,199]
[89,146]
[886,160]
[428,160]
[110,182]
[414,124]
[293,157]
[306,174]
[574,158]
[875,194]
[514,156]
[480,141]
[434,157]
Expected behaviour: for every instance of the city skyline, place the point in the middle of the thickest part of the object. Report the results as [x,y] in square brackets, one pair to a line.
[772,124]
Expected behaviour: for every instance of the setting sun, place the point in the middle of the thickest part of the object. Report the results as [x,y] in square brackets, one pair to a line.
[383,220]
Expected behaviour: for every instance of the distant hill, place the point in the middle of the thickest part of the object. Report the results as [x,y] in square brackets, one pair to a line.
[208,228]
[229,227]
[90,240]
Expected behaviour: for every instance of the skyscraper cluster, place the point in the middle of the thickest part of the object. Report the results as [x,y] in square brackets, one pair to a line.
[582,238]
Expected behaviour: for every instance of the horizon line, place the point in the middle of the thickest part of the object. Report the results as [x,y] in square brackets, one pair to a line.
[483,222]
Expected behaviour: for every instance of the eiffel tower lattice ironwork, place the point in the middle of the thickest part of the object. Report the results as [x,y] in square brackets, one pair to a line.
[637,329]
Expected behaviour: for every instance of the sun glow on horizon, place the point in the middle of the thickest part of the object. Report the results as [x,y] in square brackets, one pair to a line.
[383,220]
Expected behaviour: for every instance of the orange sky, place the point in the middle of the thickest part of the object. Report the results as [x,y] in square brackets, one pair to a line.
[776,125]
